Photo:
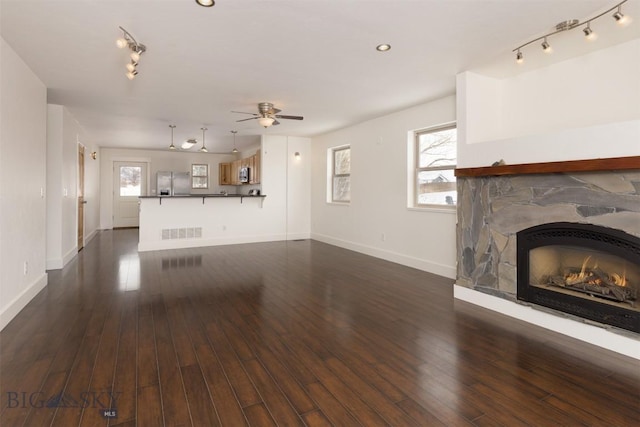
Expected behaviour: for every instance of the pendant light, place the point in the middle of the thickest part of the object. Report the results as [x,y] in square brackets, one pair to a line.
[203,149]
[235,150]
[172,147]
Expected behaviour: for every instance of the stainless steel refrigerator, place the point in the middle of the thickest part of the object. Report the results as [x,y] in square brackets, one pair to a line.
[173,184]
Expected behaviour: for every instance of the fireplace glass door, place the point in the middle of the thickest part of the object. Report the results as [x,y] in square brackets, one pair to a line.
[585,270]
[585,273]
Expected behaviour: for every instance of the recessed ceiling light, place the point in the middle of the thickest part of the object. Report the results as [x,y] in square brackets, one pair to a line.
[383,47]
[206,3]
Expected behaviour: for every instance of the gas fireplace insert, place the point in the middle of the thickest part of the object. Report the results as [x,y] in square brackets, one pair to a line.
[585,270]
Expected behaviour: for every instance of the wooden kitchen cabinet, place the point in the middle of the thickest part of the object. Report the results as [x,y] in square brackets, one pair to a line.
[229,173]
[224,174]
[255,172]
[235,172]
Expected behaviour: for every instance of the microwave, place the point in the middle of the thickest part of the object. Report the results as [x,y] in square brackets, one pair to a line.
[243,174]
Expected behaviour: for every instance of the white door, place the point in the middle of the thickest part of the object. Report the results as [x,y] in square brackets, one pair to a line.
[130,182]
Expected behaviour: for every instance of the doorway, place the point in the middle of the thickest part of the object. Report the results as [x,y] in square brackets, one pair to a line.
[130,182]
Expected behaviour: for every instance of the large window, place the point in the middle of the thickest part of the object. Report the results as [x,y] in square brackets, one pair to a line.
[341,174]
[200,176]
[435,162]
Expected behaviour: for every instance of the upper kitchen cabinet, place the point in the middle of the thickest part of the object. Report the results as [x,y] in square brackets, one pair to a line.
[229,173]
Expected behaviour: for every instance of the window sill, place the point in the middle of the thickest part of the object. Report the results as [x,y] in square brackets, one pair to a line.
[434,208]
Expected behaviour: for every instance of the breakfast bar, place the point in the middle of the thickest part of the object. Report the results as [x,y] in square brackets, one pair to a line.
[172,222]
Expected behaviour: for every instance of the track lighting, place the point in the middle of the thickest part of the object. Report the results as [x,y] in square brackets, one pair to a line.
[235,150]
[136,49]
[172,147]
[203,149]
[589,34]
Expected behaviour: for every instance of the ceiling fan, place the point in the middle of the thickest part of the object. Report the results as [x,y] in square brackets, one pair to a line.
[267,115]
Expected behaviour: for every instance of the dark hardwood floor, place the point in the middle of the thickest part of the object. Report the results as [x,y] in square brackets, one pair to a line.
[288,333]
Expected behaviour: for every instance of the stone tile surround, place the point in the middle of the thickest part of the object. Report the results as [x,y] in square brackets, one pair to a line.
[492,209]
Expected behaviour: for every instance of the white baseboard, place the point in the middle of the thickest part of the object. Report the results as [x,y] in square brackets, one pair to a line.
[298,236]
[90,236]
[59,263]
[199,243]
[409,261]
[12,309]
[595,335]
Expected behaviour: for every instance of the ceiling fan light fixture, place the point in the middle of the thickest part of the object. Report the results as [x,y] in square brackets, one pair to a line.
[266,121]
[206,3]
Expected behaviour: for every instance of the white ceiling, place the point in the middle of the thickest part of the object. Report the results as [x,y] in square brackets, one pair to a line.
[314,58]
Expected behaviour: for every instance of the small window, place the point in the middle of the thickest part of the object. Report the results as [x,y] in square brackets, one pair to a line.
[341,174]
[130,181]
[435,157]
[199,176]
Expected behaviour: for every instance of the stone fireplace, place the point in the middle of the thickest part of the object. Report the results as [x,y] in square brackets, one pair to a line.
[501,207]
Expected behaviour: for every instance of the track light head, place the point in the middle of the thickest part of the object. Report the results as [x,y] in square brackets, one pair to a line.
[519,58]
[131,66]
[588,32]
[122,43]
[132,74]
[546,46]
[618,15]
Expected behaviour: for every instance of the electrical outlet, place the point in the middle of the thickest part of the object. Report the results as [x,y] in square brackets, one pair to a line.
[26,268]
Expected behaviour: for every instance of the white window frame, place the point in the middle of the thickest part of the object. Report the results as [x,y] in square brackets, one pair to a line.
[331,175]
[417,168]
[193,175]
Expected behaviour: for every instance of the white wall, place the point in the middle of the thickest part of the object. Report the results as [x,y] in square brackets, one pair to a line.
[282,215]
[157,160]
[63,135]
[23,127]
[423,239]
[583,108]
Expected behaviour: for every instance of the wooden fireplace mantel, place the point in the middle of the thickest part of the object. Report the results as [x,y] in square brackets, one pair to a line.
[591,165]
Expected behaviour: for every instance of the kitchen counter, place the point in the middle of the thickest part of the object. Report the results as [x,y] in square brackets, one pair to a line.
[205,196]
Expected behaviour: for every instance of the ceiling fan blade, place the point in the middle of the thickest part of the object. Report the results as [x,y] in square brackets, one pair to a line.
[275,123]
[244,120]
[281,116]
[242,112]
[275,110]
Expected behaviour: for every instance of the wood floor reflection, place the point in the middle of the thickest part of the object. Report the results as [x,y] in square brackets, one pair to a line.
[288,333]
